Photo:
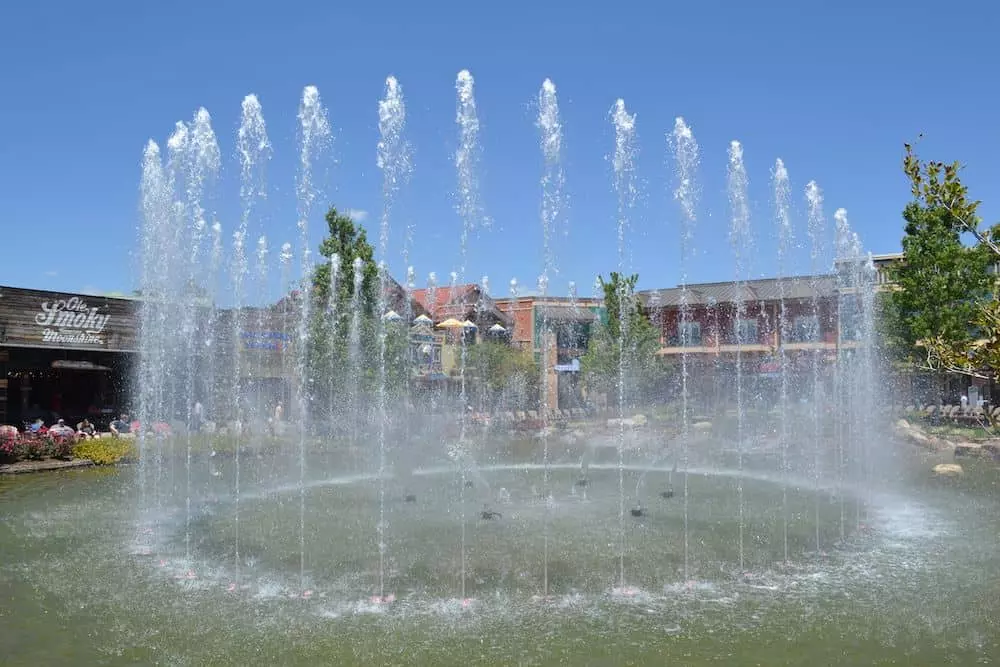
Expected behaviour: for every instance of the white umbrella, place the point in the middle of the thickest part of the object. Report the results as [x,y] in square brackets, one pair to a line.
[496,328]
[423,319]
[391,316]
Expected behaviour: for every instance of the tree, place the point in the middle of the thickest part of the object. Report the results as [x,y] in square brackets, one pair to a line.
[626,337]
[349,242]
[328,355]
[935,316]
[498,368]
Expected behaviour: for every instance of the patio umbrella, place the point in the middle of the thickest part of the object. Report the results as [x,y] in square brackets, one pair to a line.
[450,323]
[469,325]
[496,328]
[423,319]
[392,316]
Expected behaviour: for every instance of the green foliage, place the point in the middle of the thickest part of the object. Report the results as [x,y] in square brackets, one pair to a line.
[349,242]
[932,319]
[627,338]
[105,451]
[497,366]
[328,344]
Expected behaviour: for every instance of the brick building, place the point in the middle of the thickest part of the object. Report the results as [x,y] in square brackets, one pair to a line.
[564,325]
[726,320]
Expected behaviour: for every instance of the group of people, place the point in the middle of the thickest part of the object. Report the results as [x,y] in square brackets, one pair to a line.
[84,428]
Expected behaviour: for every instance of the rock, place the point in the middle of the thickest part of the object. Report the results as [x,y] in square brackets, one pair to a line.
[917,437]
[948,470]
[970,450]
[632,422]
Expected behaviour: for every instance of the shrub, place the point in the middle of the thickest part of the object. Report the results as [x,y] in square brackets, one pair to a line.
[105,451]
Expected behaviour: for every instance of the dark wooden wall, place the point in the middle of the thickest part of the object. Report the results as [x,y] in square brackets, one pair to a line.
[39,318]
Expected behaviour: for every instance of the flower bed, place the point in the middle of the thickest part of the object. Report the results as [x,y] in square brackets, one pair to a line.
[106,451]
[34,447]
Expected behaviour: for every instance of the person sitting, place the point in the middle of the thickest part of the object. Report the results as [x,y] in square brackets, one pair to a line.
[37,426]
[60,430]
[85,429]
[121,426]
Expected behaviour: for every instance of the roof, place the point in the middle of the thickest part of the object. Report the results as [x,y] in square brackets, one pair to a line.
[764,289]
[461,301]
[446,295]
[565,314]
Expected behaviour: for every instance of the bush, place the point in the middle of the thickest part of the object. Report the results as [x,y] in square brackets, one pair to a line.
[105,451]
[35,447]
[8,445]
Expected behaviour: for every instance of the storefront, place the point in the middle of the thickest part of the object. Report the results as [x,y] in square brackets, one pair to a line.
[64,355]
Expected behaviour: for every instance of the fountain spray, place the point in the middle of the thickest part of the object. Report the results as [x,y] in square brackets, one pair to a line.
[685,150]
[816,232]
[783,221]
[739,236]
[550,141]
[314,136]
[623,163]
[393,158]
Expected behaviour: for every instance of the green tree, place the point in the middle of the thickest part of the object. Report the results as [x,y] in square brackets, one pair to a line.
[496,367]
[348,241]
[331,319]
[627,336]
[935,315]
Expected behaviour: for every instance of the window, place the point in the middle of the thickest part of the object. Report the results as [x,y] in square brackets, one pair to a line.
[850,318]
[745,332]
[804,329]
[688,334]
[572,335]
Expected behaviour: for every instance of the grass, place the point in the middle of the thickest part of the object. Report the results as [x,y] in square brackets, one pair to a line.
[956,430]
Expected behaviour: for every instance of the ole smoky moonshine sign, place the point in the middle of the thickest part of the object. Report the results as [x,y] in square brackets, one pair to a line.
[72,322]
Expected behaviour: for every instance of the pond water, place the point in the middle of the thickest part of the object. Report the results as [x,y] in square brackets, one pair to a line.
[88,579]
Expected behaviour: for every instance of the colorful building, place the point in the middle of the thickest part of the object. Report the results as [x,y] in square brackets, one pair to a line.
[563,325]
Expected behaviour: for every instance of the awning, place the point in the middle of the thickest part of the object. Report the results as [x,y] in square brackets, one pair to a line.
[78,365]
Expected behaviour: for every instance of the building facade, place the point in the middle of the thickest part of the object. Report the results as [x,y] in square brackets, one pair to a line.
[67,355]
[563,326]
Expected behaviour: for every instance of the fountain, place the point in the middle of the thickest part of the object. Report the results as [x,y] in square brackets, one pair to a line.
[320,489]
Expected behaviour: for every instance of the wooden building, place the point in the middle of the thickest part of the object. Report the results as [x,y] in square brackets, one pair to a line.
[65,355]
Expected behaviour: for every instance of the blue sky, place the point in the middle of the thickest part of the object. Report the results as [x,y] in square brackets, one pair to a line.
[833,88]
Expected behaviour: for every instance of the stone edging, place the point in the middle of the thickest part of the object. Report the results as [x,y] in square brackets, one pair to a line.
[45,464]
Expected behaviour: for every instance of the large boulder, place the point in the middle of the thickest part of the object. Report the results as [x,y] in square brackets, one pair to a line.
[948,470]
[631,422]
[972,450]
[910,433]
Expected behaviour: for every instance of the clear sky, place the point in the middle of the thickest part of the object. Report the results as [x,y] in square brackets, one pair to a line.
[833,88]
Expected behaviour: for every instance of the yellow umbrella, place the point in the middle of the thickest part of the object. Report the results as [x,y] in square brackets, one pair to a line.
[451,323]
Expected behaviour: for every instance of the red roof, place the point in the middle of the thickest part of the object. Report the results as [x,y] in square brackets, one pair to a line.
[448,301]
